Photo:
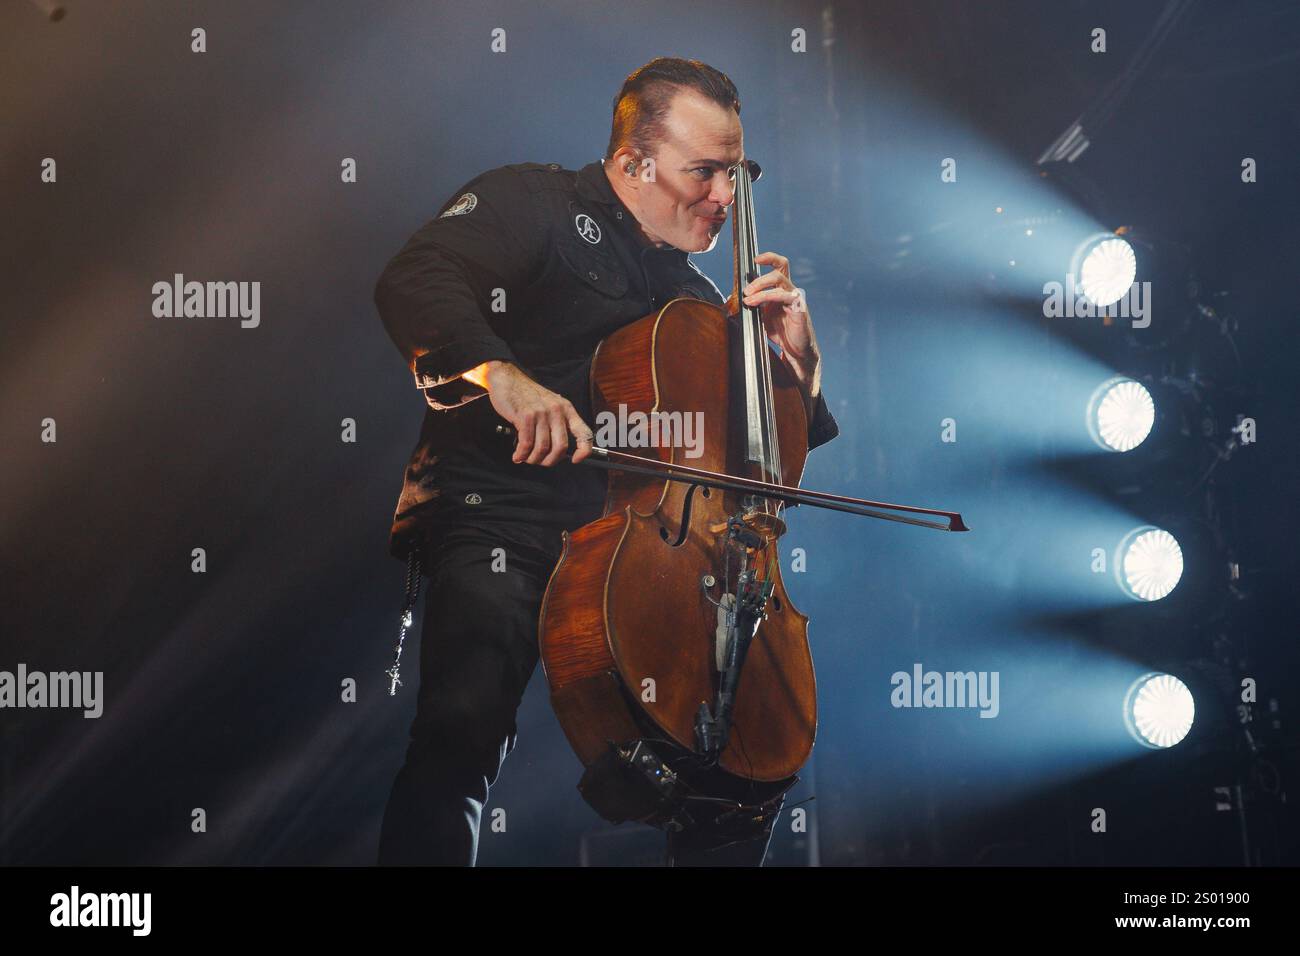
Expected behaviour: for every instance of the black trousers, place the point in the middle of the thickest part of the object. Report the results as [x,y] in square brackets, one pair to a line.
[478,649]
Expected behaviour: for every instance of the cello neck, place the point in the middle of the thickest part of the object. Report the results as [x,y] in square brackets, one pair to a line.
[761,447]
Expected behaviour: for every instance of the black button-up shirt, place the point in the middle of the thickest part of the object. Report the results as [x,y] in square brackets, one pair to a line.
[534,265]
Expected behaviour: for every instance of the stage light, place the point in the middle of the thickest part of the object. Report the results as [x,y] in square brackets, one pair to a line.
[1120,414]
[1148,563]
[1159,710]
[1108,270]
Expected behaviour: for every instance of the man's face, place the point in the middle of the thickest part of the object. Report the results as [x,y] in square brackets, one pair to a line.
[685,204]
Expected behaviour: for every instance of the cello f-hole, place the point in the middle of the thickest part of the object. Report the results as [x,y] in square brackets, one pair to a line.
[685,523]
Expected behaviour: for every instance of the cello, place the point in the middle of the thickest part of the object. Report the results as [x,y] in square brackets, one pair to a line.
[678,666]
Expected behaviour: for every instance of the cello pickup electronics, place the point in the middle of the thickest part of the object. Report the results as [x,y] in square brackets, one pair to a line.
[632,782]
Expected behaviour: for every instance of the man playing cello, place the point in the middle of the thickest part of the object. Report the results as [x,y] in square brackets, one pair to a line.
[506,294]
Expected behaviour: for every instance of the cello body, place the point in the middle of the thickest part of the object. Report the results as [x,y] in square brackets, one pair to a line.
[629,627]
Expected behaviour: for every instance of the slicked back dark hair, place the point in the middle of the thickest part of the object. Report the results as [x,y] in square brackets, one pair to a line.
[641,106]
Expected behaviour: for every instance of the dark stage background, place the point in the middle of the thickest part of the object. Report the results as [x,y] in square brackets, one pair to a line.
[222,689]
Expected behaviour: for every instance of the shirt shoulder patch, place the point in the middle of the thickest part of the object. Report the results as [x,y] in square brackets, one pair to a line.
[464,204]
[587,228]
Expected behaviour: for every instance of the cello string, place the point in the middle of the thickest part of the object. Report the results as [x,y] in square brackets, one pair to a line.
[745,269]
[773,449]
[746,252]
